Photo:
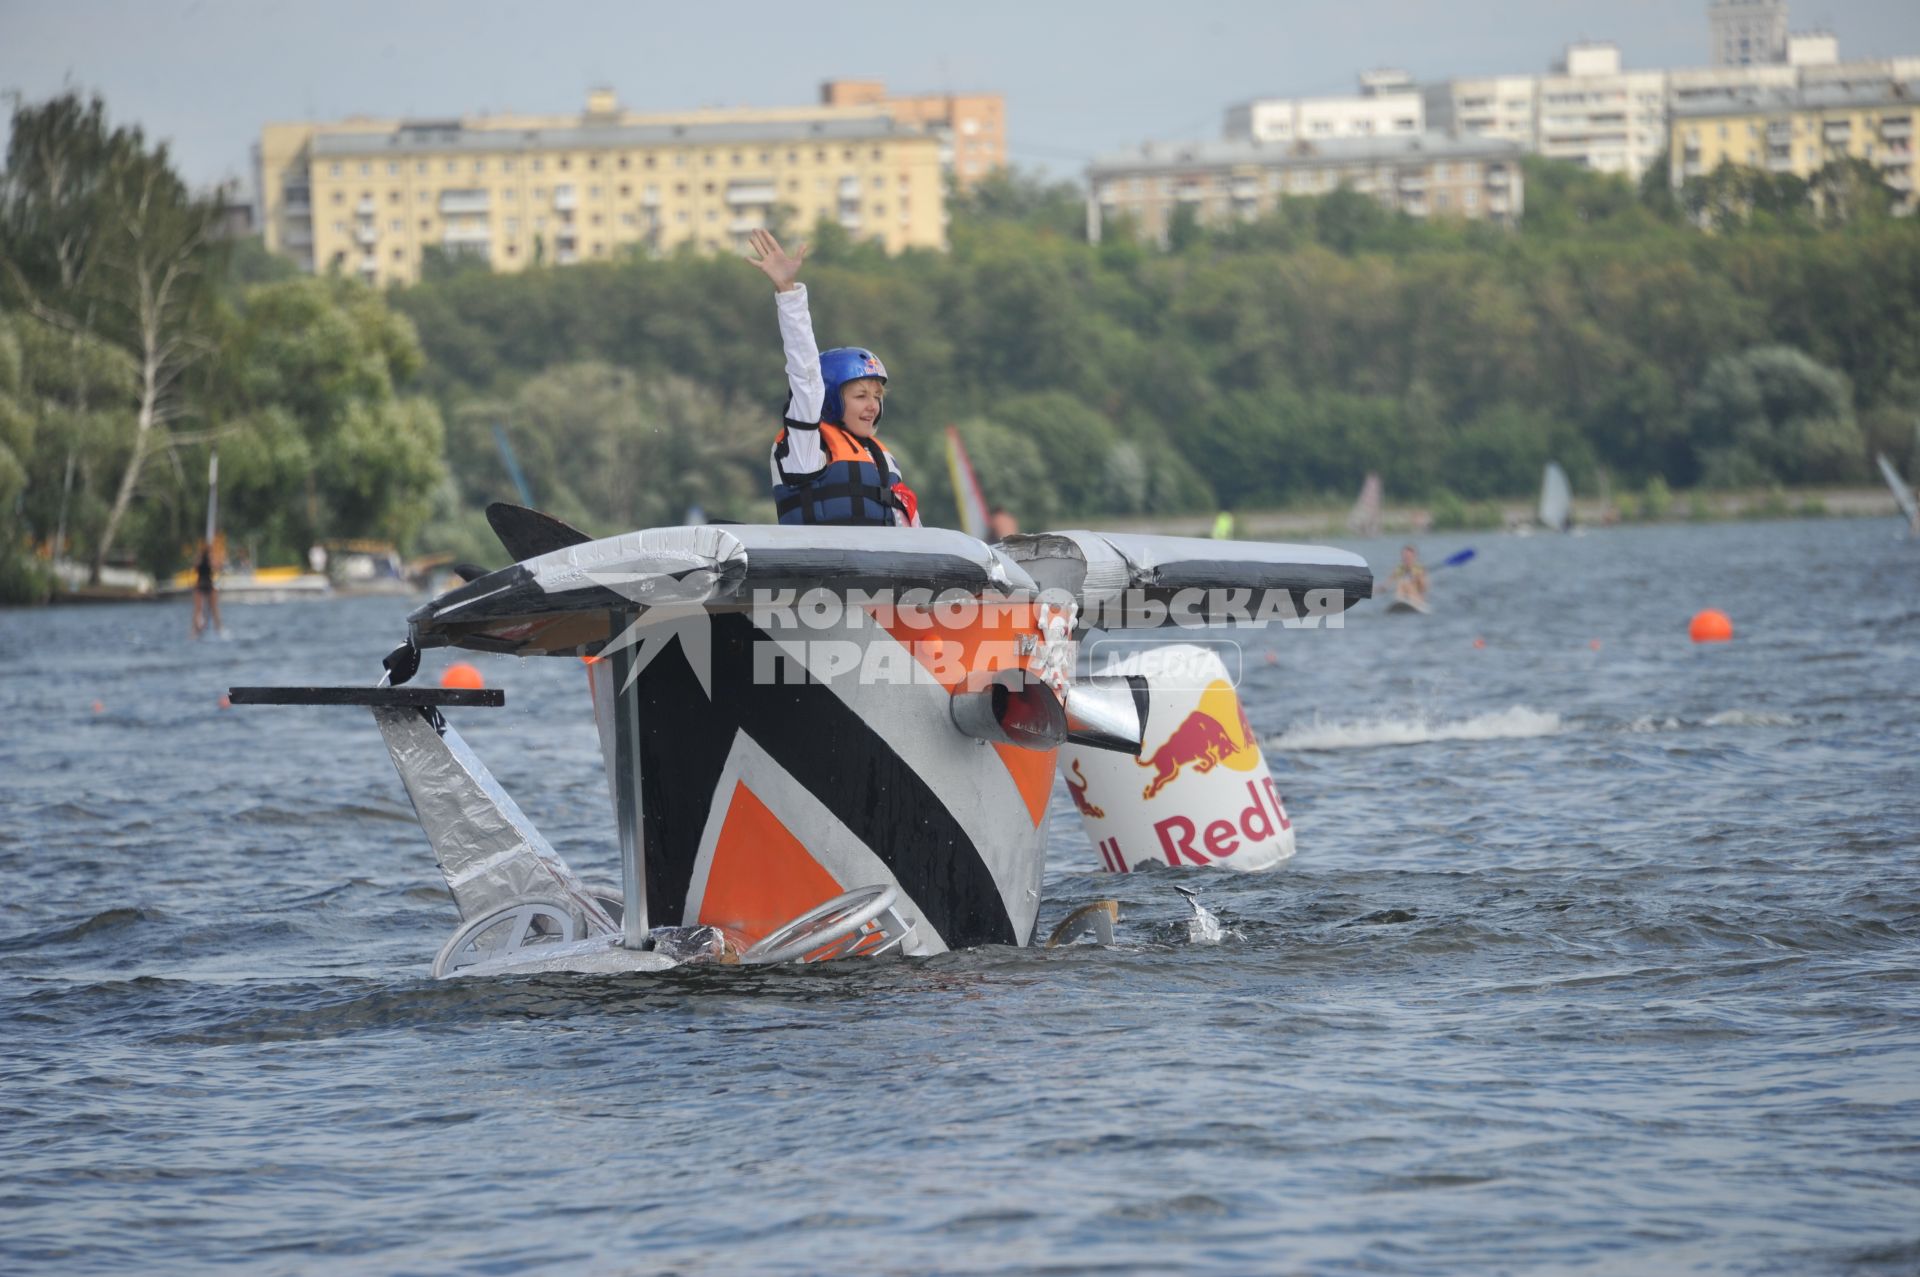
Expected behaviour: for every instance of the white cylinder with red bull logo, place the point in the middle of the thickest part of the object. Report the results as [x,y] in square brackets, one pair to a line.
[1200,793]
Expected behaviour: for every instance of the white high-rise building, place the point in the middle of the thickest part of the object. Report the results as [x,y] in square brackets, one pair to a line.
[1588,109]
[1388,105]
[1748,32]
[1595,113]
[1591,110]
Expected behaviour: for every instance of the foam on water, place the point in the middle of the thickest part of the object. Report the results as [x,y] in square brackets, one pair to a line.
[1514,723]
[1517,722]
[1724,718]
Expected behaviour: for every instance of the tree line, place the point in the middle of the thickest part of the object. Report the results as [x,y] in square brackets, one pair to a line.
[136,339]
[1743,331]
[1707,337]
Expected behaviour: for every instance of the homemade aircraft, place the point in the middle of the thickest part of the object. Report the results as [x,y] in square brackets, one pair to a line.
[819,741]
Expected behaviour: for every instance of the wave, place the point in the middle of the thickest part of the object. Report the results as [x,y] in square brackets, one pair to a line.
[106,920]
[1517,722]
[1725,718]
[1514,723]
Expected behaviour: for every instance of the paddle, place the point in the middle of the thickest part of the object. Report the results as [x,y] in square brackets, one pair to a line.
[1454,560]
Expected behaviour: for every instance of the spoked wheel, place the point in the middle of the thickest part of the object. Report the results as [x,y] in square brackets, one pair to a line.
[525,924]
[610,899]
[862,922]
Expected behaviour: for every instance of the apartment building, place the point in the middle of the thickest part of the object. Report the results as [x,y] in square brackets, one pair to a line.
[371,197]
[1388,105]
[1747,32]
[1800,131]
[1429,175]
[972,127]
[1588,109]
[1591,110]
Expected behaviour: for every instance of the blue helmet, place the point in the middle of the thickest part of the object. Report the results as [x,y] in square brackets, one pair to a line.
[841,365]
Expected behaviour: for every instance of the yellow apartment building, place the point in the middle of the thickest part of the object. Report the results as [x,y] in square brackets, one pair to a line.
[972,127]
[370,197]
[1423,175]
[1799,131]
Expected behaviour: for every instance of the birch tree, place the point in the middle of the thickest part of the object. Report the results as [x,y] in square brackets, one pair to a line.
[157,259]
[100,239]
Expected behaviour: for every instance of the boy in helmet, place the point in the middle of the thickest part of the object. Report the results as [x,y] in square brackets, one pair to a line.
[829,465]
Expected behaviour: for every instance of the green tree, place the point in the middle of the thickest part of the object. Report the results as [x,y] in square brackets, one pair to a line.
[323,438]
[1850,189]
[100,237]
[1027,199]
[1771,414]
[611,450]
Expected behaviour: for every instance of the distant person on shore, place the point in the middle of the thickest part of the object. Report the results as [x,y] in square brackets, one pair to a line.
[206,599]
[1223,526]
[1001,524]
[1409,579]
[829,466]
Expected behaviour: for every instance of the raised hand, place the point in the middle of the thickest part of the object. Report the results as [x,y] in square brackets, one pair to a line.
[779,266]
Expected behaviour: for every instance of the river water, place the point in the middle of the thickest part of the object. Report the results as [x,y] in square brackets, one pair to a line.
[1601,952]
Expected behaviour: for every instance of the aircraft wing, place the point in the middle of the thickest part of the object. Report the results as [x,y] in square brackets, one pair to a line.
[577,597]
[1126,580]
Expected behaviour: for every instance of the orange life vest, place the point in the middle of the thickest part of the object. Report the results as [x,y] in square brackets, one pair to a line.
[855,486]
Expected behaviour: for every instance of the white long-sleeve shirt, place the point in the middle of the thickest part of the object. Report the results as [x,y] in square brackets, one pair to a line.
[806,392]
[800,454]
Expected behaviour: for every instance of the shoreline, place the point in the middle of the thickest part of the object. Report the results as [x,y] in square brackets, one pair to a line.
[1398,520]
[1690,506]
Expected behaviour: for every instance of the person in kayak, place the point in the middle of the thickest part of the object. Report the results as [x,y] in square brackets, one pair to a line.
[828,464]
[1409,579]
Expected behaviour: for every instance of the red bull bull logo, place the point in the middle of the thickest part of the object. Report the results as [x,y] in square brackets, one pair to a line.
[1078,792]
[1203,741]
[1225,809]
[1200,740]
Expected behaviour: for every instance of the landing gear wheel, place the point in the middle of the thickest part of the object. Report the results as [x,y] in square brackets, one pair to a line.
[610,899]
[525,924]
[838,928]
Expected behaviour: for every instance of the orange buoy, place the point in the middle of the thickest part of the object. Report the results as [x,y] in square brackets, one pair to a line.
[1710,625]
[1479,643]
[226,701]
[1594,644]
[461,674]
[99,707]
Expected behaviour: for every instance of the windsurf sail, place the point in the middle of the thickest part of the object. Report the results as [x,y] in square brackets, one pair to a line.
[213,494]
[1556,498]
[512,463]
[1364,520]
[966,488]
[1902,494]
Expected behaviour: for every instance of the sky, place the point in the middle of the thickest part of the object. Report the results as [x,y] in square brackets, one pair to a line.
[1081,77]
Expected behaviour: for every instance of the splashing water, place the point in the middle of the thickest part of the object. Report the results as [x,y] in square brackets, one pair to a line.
[1203,927]
[1515,722]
